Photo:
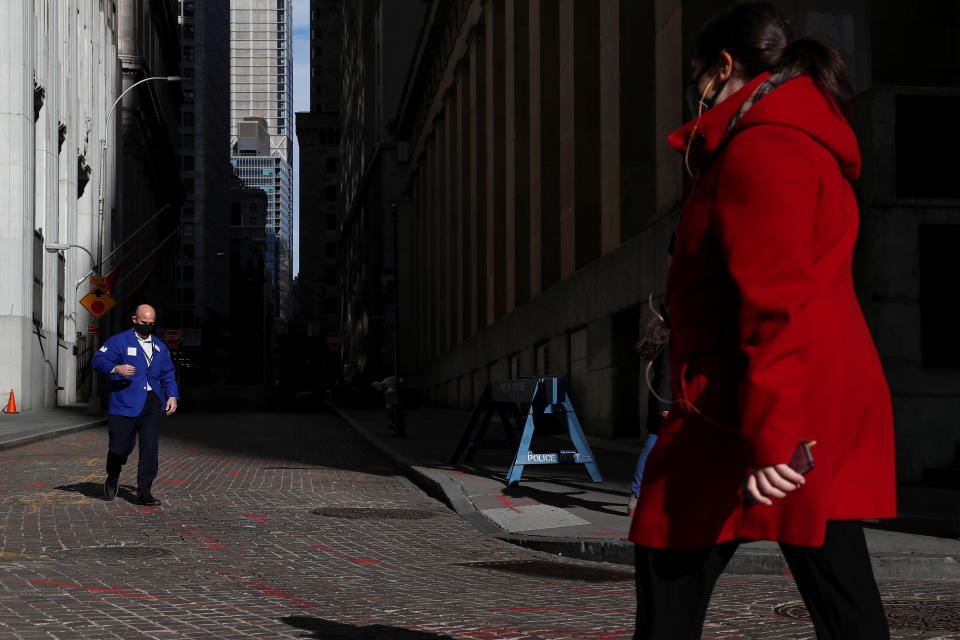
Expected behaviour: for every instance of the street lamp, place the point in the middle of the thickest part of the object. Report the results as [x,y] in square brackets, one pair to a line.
[56,247]
[103,153]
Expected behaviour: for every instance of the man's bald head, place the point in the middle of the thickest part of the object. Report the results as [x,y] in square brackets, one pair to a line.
[145,313]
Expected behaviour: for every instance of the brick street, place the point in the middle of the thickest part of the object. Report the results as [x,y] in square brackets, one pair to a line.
[236,551]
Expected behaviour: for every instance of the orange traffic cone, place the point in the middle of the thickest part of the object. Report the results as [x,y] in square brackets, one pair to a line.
[11,404]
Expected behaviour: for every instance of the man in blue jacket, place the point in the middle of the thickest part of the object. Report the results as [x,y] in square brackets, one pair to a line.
[142,387]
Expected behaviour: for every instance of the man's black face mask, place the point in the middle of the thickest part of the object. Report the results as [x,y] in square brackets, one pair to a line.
[145,328]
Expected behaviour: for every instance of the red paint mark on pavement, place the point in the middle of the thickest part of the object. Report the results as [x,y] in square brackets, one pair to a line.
[7,461]
[234,472]
[256,518]
[270,590]
[36,485]
[208,540]
[323,547]
[147,510]
[508,503]
[125,593]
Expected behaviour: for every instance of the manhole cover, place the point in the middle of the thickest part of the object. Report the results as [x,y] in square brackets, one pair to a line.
[113,553]
[923,615]
[558,570]
[370,513]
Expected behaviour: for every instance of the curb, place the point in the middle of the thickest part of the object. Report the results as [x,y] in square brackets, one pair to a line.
[746,561]
[46,435]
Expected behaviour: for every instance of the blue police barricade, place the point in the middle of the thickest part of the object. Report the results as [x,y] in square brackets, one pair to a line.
[545,396]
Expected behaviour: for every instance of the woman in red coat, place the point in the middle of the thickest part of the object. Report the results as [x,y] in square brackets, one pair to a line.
[769,347]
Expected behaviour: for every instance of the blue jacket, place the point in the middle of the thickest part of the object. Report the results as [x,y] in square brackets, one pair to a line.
[127,395]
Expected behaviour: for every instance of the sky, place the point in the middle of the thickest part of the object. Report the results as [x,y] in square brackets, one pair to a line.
[301,102]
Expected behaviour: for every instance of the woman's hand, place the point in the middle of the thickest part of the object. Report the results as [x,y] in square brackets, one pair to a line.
[773,482]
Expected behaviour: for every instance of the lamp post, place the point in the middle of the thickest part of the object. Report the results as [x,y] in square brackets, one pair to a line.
[103,153]
[55,247]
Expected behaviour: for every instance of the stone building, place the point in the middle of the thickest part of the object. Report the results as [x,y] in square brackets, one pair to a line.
[318,134]
[542,195]
[204,157]
[379,41]
[70,142]
[59,75]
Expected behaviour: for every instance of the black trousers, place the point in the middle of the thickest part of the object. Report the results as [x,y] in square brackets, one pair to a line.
[124,433]
[835,580]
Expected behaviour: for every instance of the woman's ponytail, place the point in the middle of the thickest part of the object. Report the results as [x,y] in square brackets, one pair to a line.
[806,56]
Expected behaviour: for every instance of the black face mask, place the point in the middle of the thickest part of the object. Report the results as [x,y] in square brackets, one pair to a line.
[145,328]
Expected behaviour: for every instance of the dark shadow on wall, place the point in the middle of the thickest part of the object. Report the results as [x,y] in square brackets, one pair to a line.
[330,630]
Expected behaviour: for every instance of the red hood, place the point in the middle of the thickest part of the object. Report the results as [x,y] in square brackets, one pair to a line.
[797,103]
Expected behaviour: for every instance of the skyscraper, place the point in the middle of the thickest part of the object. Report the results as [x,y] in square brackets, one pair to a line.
[260,87]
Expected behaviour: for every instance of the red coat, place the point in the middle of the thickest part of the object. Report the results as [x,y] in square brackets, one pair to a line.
[768,340]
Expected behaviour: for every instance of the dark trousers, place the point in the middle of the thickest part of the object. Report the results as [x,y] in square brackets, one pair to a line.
[835,580]
[124,433]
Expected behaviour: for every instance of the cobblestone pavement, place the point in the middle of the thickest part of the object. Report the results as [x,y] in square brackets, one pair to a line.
[237,551]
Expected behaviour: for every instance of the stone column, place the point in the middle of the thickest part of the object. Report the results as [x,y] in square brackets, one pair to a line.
[544,146]
[462,105]
[17,204]
[517,160]
[628,155]
[579,134]
[495,133]
[477,184]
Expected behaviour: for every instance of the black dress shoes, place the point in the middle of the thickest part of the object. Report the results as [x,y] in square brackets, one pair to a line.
[147,499]
[110,488]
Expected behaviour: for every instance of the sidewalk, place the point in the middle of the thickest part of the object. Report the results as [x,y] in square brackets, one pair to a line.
[40,424]
[555,508]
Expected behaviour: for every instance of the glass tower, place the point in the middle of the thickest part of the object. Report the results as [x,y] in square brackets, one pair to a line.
[261,70]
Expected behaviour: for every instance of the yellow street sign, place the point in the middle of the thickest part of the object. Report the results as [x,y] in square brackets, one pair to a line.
[98,280]
[97,302]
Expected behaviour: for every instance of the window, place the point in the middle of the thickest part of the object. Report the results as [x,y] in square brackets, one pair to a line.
[330,193]
[331,221]
[188,31]
[331,250]
[188,9]
[235,214]
[187,117]
[188,54]
[331,276]
[188,163]
[331,165]
[919,172]
[188,185]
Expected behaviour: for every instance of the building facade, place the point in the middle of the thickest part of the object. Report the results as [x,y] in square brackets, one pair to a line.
[206,174]
[60,74]
[261,72]
[379,42]
[542,196]
[145,221]
[317,320]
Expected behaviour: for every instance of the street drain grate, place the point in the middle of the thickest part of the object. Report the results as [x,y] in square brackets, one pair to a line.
[371,513]
[114,553]
[549,569]
[923,615]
